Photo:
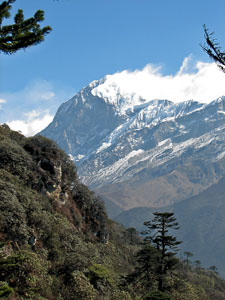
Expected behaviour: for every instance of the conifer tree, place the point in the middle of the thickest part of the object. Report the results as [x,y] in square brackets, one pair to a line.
[22,33]
[188,255]
[213,49]
[158,235]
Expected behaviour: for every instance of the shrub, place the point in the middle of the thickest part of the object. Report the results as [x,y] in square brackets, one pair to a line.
[5,290]
[157,295]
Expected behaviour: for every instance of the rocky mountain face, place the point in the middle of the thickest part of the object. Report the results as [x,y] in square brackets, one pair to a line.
[143,156]
[140,153]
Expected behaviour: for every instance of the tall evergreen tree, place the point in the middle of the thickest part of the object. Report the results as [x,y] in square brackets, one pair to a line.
[188,255]
[158,235]
[145,275]
[22,33]
[213,49]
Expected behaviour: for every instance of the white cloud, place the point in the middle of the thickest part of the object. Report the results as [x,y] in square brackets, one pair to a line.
[185,65]
[2,101]
[203,82]
[47,96]
[38,94]
[34,123]
[38,91]
[31,109]
[32,114]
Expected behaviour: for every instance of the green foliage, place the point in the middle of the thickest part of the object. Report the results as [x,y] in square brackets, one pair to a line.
[12,214]
[5,290]
[100,275]
[157,295]
[122,295]
[23,33]
[132,236]
[187,291]
[147,268]
[188,255]
[26,272]
[80,288]
[158,235]
[79,253]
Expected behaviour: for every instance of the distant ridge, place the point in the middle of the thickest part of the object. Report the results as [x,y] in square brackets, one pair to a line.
[201,220]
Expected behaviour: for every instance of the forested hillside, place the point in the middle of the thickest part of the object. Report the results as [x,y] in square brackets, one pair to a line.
[201,220]
[56,241]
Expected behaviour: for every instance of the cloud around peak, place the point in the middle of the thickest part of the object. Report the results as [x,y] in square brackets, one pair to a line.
[31,109]
[200,81]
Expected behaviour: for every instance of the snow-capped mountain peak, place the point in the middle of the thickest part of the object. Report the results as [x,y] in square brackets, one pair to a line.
[116,136]
[136,151]
[112,93]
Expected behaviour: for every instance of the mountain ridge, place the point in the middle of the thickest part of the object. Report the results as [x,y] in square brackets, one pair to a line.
[126,143]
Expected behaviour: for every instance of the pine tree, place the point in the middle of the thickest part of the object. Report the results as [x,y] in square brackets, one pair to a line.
[145,273]
[188,255]
[132,235]
[213,49]
[158,235]
[23,33]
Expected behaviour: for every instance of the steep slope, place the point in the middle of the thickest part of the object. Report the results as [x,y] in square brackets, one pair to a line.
[201,220]
[55,237]
[56,241]
[82,123]
[136,152]
[38,164]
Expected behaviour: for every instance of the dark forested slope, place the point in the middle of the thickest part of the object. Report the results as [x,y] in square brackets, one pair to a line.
[56,241]
[42,199]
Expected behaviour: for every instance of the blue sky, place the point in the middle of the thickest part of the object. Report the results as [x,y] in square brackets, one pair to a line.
[93,38]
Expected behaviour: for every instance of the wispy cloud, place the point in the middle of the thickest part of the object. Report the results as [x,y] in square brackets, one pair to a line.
[34,123]
[31,109]
[203,82]
[2,101]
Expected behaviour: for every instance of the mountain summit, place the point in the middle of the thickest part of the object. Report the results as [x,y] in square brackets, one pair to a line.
[140,152]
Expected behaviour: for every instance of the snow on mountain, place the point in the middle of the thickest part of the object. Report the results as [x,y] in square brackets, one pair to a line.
[113,94]
[162,153]
[115,136]
[143,154]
